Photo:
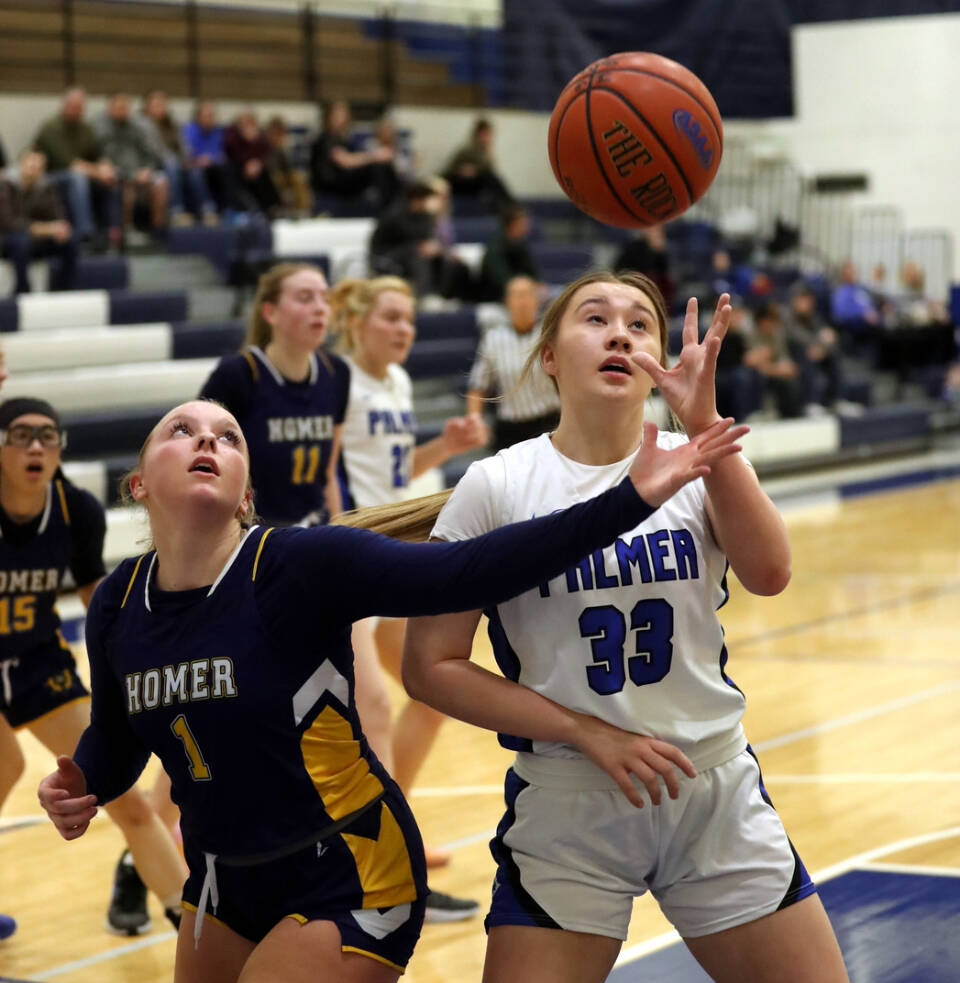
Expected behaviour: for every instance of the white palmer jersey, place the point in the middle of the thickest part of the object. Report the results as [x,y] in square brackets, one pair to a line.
[630,634]
[379,435]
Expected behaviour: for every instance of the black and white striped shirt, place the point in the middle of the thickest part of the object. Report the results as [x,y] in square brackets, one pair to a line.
[502,354]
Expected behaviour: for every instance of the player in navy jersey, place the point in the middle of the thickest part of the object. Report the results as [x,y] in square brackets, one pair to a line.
[8,925]
[49,528]
[289,396]
[226,651]
[374,324]
[624,654]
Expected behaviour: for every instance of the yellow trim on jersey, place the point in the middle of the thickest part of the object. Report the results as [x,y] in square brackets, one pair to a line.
[373,955]
[383,864]
[63,501]
[64,644]
[339,773]
[190,907]
[50,713]
[256,559]
[133,577]
[252,362]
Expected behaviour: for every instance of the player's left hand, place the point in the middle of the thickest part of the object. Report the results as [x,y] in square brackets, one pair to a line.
[689,387]
[464,433]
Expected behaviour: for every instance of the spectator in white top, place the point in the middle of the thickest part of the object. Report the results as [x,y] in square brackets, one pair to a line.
[528,404]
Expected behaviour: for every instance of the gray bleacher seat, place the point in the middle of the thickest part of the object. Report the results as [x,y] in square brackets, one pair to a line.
[561,263]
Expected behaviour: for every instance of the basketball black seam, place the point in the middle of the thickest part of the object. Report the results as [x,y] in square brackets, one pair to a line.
[556,137]
[656,135]
[599,161]
[684,89]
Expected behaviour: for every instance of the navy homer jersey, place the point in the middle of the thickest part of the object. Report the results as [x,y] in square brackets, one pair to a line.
[34,558]
[288,427]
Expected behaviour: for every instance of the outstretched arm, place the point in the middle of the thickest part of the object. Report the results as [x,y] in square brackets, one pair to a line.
[746,524]
[380,576]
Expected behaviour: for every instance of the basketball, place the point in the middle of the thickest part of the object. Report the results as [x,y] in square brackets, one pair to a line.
[635,139]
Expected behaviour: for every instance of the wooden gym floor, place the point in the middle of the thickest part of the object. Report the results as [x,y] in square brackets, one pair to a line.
[852,679]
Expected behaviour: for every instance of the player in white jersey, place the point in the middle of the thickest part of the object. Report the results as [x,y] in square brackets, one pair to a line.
[374,320]
[620,663]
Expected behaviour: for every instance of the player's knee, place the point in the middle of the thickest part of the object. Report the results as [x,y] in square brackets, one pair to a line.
[12,768]
[131,809]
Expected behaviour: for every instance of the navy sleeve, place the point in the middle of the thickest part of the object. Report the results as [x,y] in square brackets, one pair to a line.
[358,574]
[109,754]
[88,524]
[230,383]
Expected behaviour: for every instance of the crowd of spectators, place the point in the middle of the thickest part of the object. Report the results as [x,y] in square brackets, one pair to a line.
[85,184]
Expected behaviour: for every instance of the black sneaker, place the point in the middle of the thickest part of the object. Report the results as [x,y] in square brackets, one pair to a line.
[446,908]
[127,914]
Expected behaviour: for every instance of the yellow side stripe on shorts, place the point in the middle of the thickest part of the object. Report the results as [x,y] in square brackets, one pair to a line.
[213,918]
[373,955]
[133,577]
[63,503]
[256,560]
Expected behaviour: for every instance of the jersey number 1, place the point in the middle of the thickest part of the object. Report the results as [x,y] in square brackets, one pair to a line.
[606,627]
[199,769]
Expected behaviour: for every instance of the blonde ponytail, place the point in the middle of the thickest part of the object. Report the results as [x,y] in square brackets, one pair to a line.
[410,521]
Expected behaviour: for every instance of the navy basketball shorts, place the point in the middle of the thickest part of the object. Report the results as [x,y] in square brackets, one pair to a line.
[572,853]
[369,879]
[39,682]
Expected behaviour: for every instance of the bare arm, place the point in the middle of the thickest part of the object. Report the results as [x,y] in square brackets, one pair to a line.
[331,488]
[437,670]
[475,402]
[460,434]
[86,592]
[746,523]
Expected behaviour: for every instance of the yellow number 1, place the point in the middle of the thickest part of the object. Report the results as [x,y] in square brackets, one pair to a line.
[301,456]
[198,767]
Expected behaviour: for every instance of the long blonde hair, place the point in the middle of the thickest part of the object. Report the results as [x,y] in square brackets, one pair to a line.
[550,325]
[410,521]
[352,302]
[269,288]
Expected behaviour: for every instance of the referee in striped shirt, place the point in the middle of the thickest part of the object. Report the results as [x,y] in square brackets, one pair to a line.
[525,408]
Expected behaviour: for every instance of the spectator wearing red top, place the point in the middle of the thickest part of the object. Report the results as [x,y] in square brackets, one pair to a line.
[247,151]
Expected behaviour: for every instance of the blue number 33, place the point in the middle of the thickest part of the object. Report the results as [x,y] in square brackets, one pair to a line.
[606,627]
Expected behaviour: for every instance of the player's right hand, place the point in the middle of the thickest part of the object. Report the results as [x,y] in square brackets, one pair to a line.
[624,756]
[63,795]
[658,474]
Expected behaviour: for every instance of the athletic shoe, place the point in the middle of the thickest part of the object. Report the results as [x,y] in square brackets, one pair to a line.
[128,914]
[7,927]
[446,908]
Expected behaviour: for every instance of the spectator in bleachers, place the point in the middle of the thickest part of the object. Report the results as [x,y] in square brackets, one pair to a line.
[507,254]
[815,345]
[3,155]
[405,244]
[443,227]
[913,305]
[528,404]
[851,303]
[247,149]
[337,169]
[137,163]
[33,223]
[78,167]
[189,194]
[647,253]
[385,136]
[204,153]
[471,170]
[769,355]
[291,182]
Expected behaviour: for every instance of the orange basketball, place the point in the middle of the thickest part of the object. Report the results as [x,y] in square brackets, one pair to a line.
[635,139]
